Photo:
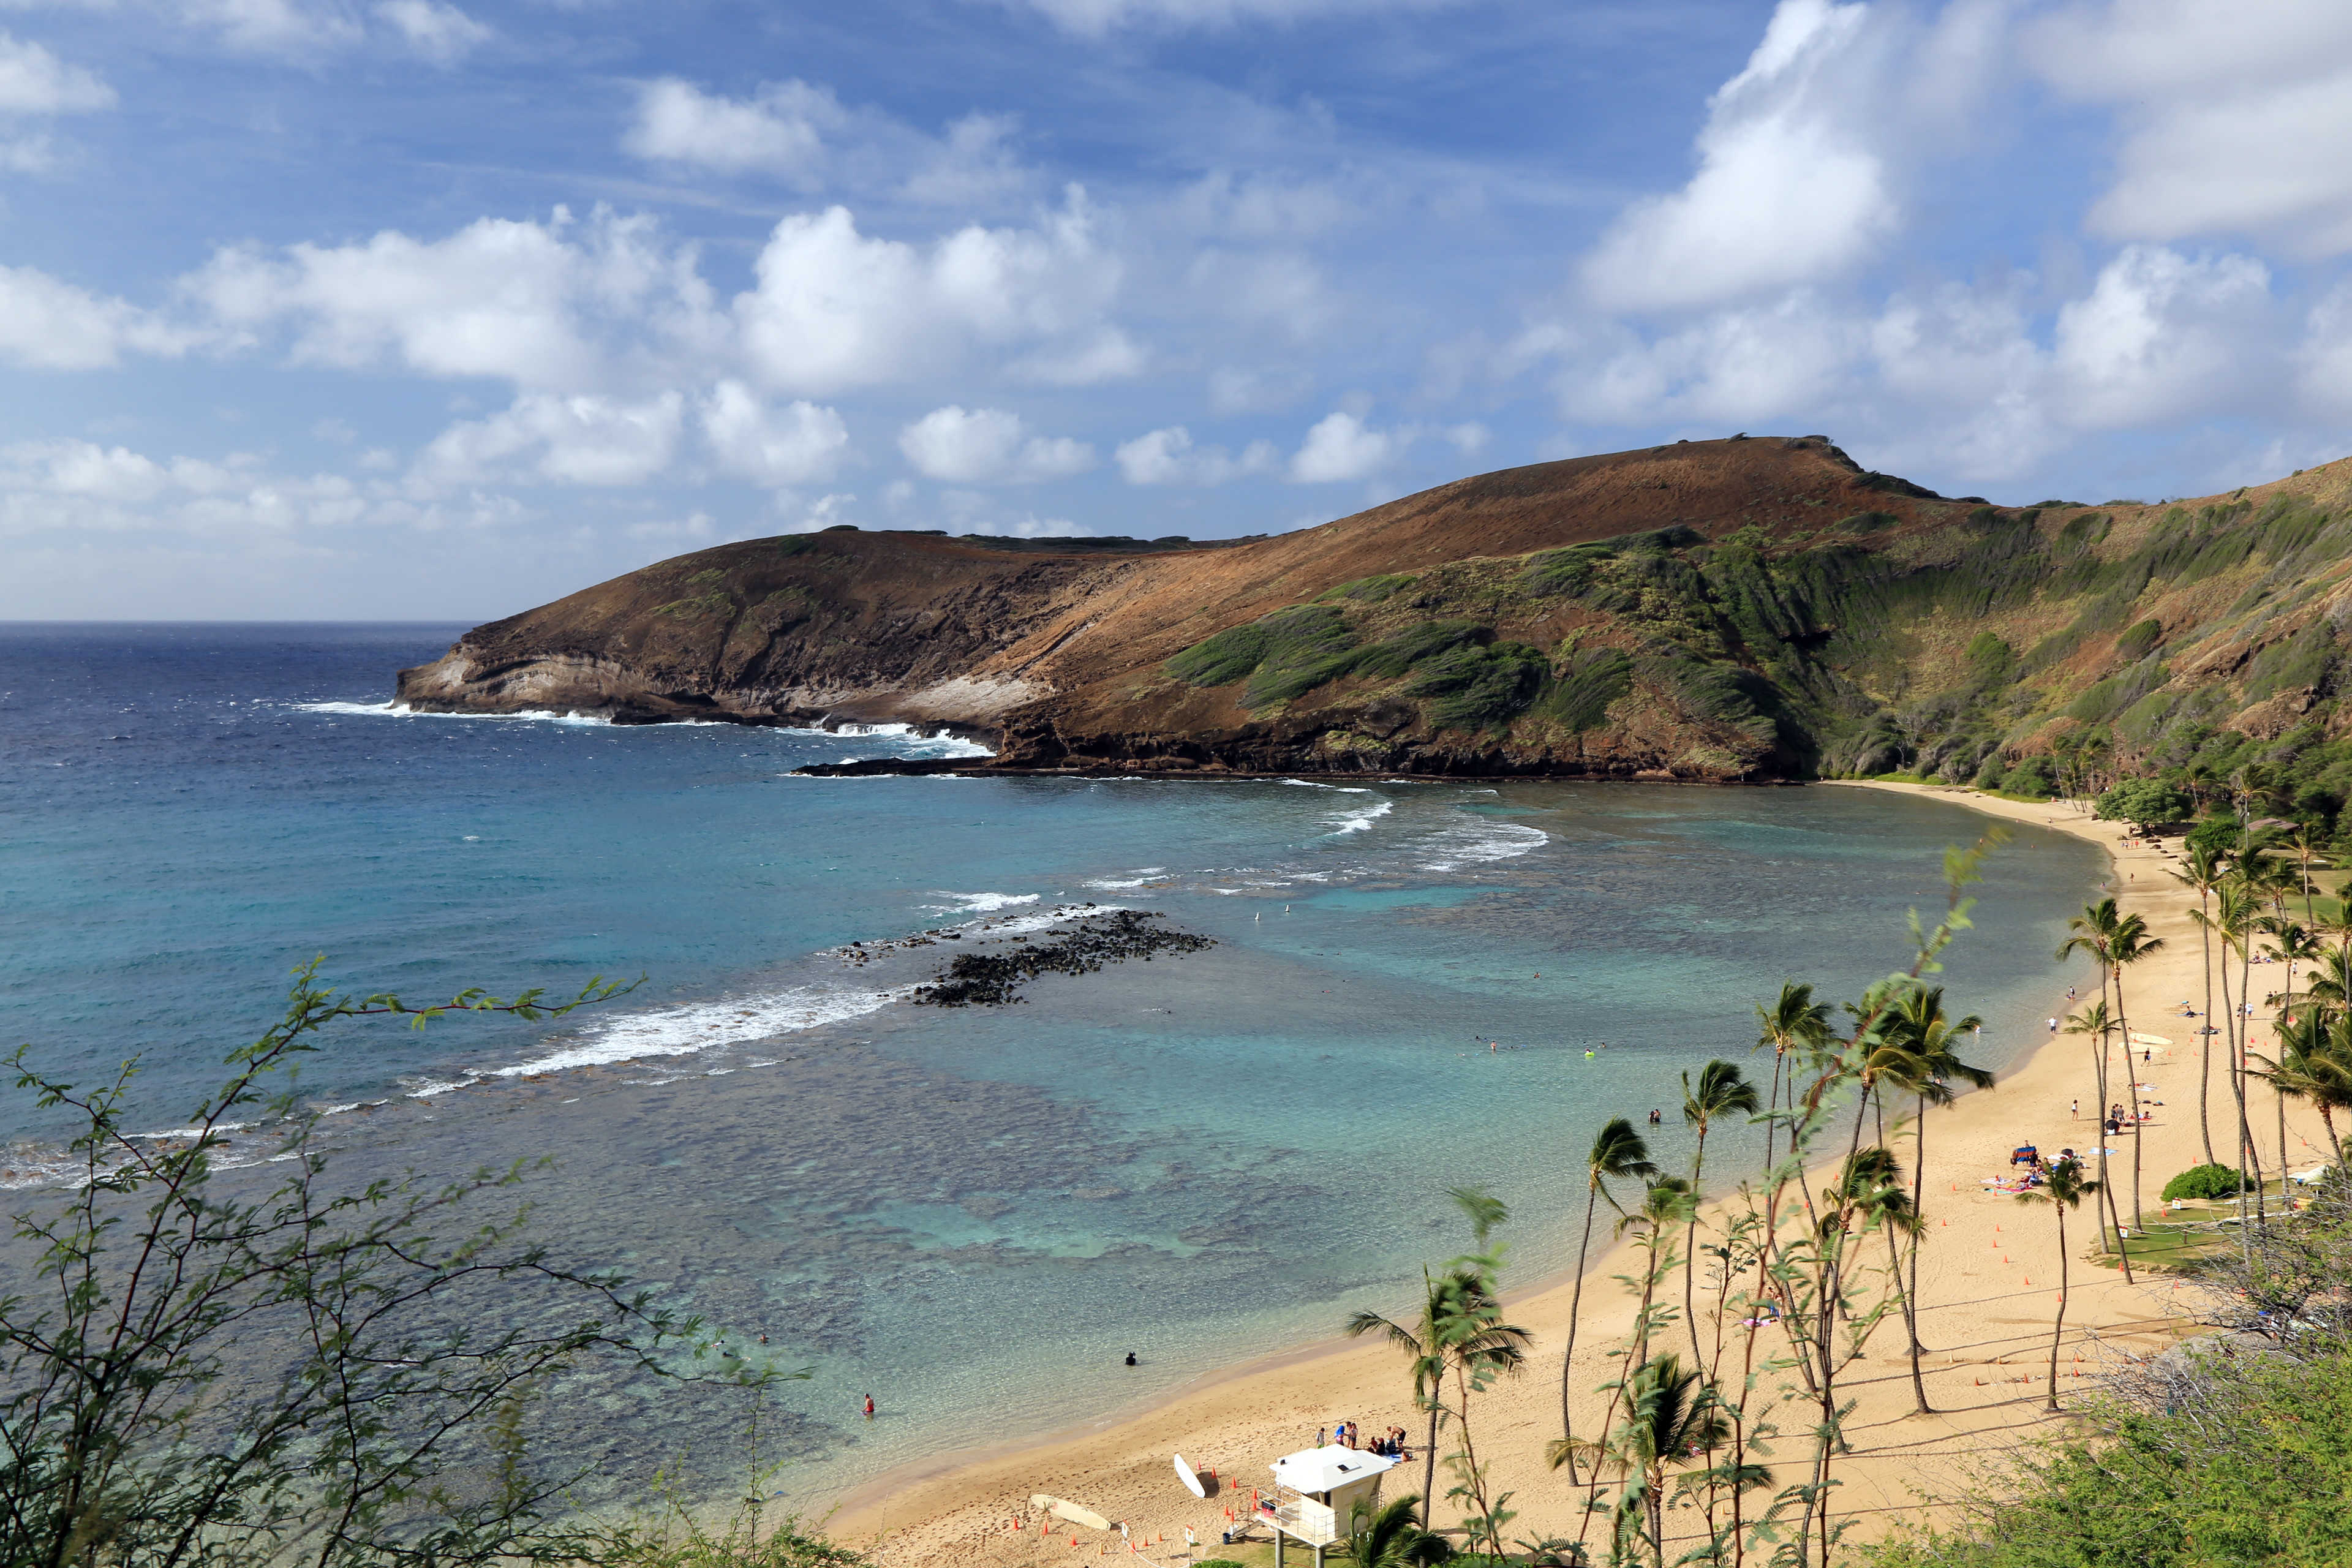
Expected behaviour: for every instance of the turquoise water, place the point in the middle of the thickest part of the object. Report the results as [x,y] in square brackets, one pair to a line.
[971,1213]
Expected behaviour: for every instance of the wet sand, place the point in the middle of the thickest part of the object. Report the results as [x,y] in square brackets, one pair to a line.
[1988,1276]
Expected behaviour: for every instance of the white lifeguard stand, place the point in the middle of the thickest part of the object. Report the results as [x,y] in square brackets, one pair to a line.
[1324,1495]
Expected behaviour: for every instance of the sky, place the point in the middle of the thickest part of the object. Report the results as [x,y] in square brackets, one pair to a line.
[440,309]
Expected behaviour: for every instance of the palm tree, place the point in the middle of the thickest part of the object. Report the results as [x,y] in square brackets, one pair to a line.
[2067,1190]
[1459,1328]
[2113,940]
[1392,1539]
[1927,1071]
[2095,1023]
[1721,1092]
[1672,1417]
[2314,1063]
[1797,1023]
[1422,1347]
[2291,944]
[2204,871]
[2129,944]
[1617,1154]
[1665,1205]
[2234,912]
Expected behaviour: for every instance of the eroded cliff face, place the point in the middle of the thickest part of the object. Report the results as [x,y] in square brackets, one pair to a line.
[1728,610]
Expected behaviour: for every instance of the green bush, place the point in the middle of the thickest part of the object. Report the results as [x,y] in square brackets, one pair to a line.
[1369,590]
[2036,778]
[2202,1181]
[2252,1470]
[2144,802]
[2133,642]
[1481,687]
[1216,1562]
[1417,645]
[1283,655]
[1580,699]
[1989,776]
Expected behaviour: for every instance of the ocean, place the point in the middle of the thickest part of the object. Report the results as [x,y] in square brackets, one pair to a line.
[972,1213]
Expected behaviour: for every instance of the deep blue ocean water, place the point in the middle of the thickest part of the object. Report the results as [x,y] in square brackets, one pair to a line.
[972,1213]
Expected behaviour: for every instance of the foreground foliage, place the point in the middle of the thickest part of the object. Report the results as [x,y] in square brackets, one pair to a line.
[341,1378]
[2236,1450]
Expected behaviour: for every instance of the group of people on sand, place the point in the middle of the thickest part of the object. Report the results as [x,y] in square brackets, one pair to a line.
[1350,1435]
[2037,1169]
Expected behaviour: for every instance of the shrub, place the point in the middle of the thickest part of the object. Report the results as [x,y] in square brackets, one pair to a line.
[2132,644]
[1417,645]
[1481,687]
[1368,590]
[2034,777]
[1592,680]
[1283,655]
[2144,802]
[2202,1181]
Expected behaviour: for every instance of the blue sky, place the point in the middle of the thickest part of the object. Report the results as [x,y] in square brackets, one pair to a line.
[419,308]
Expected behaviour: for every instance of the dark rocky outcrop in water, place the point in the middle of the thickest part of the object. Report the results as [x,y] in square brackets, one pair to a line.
[1738,610]
[994,978]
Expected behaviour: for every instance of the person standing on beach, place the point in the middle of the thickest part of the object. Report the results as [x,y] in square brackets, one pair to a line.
[869,1407]
[2074,1110]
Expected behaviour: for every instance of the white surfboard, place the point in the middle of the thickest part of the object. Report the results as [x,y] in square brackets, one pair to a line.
[1191,1481]
[1077,1513]
[2139,1039]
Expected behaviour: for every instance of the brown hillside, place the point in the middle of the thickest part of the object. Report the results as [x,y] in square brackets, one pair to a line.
[1706,609]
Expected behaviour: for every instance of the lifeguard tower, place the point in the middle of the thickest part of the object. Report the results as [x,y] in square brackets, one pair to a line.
[1324,1495]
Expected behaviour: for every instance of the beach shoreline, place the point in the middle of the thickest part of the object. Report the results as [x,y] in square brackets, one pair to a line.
[962,1506]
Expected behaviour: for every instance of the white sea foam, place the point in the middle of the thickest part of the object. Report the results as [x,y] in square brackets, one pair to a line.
[1349,822]
[977,903]
[1044,919]
[401,711]
[940,743]
[1141,876]
[698,1026]
[1478,843]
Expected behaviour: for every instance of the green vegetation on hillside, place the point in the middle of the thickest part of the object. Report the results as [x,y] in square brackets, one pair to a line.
[2036,651]
[2221,1452]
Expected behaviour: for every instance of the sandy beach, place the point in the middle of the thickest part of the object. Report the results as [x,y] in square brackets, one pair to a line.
[1989,1276]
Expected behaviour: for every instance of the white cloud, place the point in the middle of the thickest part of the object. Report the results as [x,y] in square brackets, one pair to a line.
[988,445]
[576,440]
[2161,335]
[799,443]
[1094,18]
[1279,289]
[781,130]
[1789,188]
[556,306]
[75,486]
[2234,116]
[1341,447]
[975,166]
[1167,457]
[440,32]
[276,26]
[1469,438]
[34,81]
[835,308]
[45,324]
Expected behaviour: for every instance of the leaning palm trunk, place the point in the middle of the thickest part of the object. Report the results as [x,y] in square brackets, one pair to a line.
[2205,1058]
[1911,1284]
[2131,1076]
[1568,1357]
[2058,1327]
